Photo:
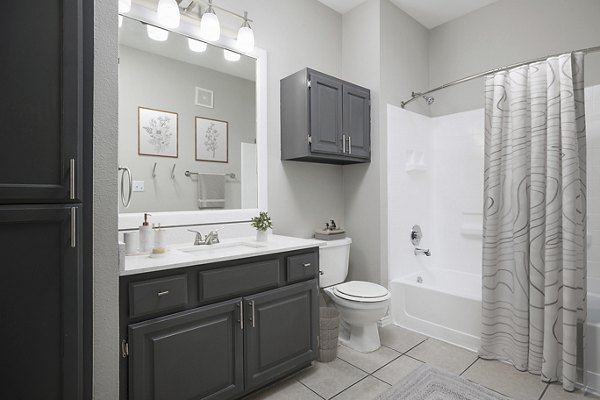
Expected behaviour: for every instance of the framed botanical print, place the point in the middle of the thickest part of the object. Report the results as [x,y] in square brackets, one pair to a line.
[211,140]
[158,132]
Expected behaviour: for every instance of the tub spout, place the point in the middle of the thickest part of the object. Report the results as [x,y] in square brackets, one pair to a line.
[420,252]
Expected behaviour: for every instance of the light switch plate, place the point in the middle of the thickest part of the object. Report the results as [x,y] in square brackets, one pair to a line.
[138,186]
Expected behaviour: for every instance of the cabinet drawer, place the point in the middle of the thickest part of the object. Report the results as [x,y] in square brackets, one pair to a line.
[238,280]
[154,295]
[301,267]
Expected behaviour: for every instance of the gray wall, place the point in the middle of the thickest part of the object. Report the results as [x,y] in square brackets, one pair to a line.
[105,286]
[389,58]
[506,32]
[234,102]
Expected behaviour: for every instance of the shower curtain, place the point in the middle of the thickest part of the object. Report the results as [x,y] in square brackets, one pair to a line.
[534,229]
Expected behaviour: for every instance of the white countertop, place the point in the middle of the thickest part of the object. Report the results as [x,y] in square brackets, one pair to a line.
[249,247]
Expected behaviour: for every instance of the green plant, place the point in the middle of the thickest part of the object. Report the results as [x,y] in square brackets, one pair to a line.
[262,222]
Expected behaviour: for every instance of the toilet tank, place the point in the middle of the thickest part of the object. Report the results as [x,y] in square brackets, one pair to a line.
[333,261]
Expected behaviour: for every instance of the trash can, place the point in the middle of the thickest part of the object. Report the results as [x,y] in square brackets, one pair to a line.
[329,330]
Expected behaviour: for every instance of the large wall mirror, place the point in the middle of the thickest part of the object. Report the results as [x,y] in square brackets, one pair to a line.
[192,125]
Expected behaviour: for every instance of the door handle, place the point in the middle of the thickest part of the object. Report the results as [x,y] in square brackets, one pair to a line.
[251,303]
[73,227]
[344,144]
[349,144]
[72,179]
[241,306]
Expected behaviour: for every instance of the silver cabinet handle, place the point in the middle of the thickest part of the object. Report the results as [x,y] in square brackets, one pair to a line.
[73,227]
[72,178]
[252,318]
[306,265]
[241,306]
[343,143]
[349,144]
[163,293]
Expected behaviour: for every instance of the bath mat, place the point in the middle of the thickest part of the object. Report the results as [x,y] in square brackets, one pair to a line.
[428,383]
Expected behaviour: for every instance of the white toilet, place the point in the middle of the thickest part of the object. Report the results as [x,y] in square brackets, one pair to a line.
[361,304]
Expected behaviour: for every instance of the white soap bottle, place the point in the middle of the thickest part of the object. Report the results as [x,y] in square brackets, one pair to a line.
[146,235]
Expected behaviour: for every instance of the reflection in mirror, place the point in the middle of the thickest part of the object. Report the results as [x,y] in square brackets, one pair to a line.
[184,107]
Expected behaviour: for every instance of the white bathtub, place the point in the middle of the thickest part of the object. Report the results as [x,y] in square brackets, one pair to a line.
[446,305]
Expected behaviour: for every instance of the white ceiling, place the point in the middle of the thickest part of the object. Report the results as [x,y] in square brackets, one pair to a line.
[430,13]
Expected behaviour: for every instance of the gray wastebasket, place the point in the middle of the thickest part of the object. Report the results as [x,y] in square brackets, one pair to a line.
[329,329]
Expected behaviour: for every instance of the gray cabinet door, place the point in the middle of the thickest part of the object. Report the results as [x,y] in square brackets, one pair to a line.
[357,121]
[280,331]
[40,303]
[325,114]
[195,354]
[41,102]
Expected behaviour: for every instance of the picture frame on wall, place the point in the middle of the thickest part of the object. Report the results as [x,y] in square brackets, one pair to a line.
[158,132]
[212,140]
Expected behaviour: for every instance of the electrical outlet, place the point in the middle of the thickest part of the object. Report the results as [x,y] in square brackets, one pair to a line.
[138,186]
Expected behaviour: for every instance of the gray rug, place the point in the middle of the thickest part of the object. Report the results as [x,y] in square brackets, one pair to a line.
[428,383]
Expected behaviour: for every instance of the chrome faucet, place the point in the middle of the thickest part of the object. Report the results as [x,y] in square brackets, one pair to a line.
[212,237]
[419,252]
[198,240]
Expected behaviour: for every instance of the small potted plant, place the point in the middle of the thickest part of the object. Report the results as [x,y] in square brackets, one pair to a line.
[262,222]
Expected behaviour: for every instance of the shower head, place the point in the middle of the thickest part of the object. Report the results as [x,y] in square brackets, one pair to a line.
[429,99]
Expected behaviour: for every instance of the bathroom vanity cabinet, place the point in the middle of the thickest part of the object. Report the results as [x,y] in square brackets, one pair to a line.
[218,330]
[324,119]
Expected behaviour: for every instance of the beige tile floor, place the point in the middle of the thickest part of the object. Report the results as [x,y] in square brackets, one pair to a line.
[358,376]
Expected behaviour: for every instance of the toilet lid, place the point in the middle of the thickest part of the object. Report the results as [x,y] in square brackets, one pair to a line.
[362,290]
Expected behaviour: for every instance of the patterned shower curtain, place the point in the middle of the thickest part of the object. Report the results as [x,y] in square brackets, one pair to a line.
[534,229]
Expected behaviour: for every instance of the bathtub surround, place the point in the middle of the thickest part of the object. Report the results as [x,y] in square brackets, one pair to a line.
[534,264]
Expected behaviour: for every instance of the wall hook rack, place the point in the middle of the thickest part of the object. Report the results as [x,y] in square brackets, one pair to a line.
[173,171]
[154,171]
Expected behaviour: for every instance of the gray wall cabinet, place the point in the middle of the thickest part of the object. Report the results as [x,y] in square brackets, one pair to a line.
[324,119]
[218,331]
[46,190]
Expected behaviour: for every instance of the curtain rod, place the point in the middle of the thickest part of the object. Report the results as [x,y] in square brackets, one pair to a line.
[491,71]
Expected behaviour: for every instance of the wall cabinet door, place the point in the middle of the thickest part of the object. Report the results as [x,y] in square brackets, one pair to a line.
[195,354]
[41,303]
[41,102]
[280,332]
[357,121]
[325,114]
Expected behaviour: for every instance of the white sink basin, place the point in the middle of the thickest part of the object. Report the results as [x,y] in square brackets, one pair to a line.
[228,246]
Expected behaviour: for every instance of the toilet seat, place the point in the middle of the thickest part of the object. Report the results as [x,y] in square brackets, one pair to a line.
[363,292]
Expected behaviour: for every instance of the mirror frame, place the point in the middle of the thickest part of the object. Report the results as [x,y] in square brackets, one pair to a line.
[128,221]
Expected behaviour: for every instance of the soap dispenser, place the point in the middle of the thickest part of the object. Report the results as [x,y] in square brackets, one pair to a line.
[146,232]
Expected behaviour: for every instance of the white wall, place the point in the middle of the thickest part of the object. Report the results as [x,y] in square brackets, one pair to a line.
[592,120]
[503,33]
[105,270]
[234,102]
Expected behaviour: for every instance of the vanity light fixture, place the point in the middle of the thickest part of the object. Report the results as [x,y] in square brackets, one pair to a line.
[124,6]
[210,29]
[156,33]
[245,36]
[168,13]
[231,55]
[196,45]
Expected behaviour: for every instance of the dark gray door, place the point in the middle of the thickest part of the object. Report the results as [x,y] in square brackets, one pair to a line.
[40,303]
[357,121]
[195,354]
[41,101]
[281,331]
[325,114]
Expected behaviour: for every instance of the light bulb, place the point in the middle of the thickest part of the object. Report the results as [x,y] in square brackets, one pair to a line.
[124,6]
[168,13]
[230,55]
[196,45]
[210,29]
[156,33]
[120,21]
[245,38]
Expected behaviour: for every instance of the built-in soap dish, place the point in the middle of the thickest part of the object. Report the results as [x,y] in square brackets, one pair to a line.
[416,161]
